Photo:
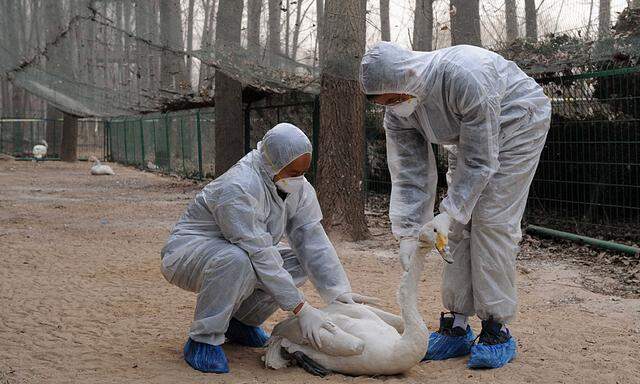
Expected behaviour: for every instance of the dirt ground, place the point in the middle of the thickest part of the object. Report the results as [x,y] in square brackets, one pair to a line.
[82,298]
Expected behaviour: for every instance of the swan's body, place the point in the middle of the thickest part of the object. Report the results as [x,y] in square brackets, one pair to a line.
[101,169]
[369,341]
[40,151]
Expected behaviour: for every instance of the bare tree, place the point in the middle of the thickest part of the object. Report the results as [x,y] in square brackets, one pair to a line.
[341,138]
[229,133]
[172,73]
[604,19]
[53,21]
[142,11]
[511,19]
[465,22]
[254,10]
[206,42]
[319,31]
[385,23]
[287,23]
[423,26]
[190,38]
[531,20]
[296,28]
[273,38]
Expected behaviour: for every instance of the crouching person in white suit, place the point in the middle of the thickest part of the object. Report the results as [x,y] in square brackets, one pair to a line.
[226,248]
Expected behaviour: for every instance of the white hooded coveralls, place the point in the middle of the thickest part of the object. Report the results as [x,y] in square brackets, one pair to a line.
[226,246]
[493,119]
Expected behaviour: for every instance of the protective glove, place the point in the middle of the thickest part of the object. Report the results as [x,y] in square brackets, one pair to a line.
[408,248]
[436,232]
[356,298]
[311,321]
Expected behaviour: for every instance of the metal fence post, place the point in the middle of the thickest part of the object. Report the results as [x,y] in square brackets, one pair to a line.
[141,142]
[199,145]
[184,168]
[107,141]
[168,146]
[126,137]
[247,128]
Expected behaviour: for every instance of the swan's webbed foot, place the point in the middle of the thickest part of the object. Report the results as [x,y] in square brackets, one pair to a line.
[306,363]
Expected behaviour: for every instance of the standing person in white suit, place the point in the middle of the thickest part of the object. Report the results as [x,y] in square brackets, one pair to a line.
[493,120]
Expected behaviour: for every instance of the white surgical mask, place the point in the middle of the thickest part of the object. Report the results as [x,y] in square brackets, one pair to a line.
[290,184]
[404,109]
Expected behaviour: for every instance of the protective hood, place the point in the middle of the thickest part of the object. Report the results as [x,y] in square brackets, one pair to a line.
[389,68]
[280,146]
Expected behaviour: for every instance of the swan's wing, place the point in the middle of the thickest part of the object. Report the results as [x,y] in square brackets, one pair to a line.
[339,344]
[393,320]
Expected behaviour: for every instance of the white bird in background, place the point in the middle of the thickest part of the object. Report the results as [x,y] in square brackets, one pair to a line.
[152,167]
[100,169]
[40,151]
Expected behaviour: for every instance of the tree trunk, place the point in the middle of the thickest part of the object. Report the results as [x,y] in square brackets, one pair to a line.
[319,30]
[69,146]
[385,24]
[341,139]
[229,130]
[511,19]
[531,20]
[604,19]
[206,42]
[142,11]
[190,40]
[287,27]
[423,26]
[254,10]
[634,4]
[465,23]
[172,72]
[52,17]
[273,38]
[296,29]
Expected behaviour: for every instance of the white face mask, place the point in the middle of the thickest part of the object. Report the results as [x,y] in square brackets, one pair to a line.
[290,184]
[404,109]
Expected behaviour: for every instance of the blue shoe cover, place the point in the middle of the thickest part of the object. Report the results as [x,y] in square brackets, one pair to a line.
[492,356]
[442,347]
[205,357]
[246,335]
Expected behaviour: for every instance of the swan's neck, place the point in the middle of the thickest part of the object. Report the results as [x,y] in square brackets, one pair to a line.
[415,331]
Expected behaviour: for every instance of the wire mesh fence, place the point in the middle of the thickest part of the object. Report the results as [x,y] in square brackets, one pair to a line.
[588,180]
[18,136]
[176,142]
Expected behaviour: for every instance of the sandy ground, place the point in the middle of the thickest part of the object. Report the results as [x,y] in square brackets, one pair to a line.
[82,298]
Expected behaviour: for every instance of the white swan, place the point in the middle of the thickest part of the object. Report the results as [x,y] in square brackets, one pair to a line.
[369,341]
[100,169]
[39,151]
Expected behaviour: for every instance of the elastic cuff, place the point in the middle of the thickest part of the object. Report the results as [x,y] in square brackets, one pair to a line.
[454,213]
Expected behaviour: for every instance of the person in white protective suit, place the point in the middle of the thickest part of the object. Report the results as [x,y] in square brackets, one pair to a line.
[493,120]
[226,247]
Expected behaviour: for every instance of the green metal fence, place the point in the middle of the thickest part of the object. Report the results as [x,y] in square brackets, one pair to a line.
[176,142]
[19,135]
[588,180]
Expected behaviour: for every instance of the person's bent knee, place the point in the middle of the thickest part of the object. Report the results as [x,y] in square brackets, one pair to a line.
[233,260]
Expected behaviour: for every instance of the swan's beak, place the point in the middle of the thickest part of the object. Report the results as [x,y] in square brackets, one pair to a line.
[443,249]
